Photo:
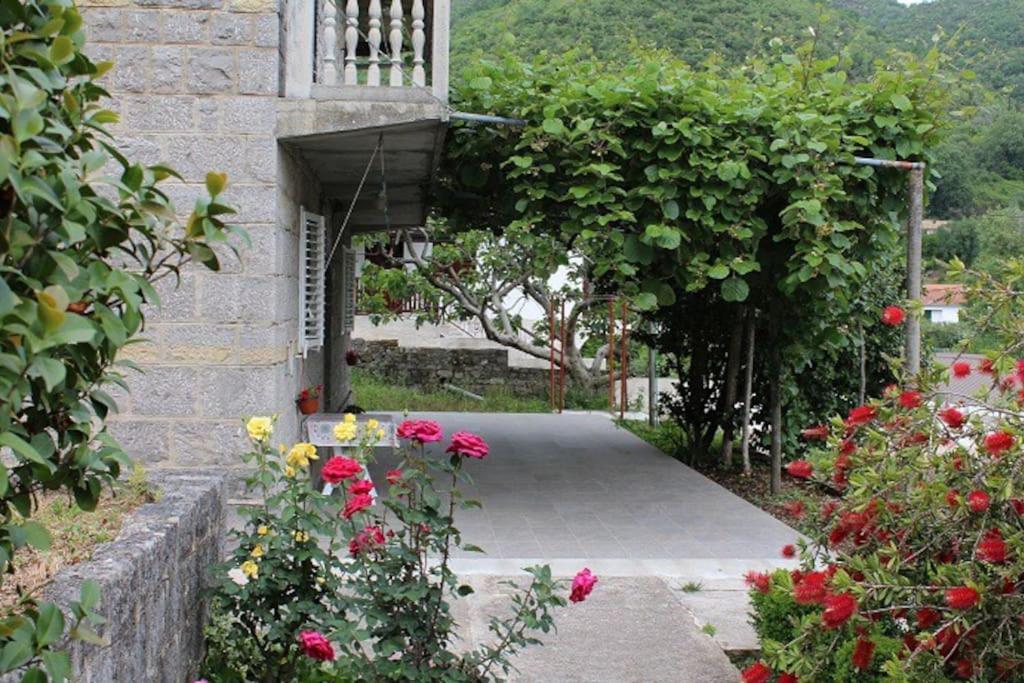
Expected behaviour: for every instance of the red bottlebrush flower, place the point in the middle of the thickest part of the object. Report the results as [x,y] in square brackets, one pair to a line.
[978,500]
[757,672]
[987,366]
[952,417]
[862,653]
[893,316]
[964,668]
[910,642]
[360,487]
[394,476]
[861,415]
[910,399]
[801,469]
[962,597]
[992,548]
[961,369]
[316,646]
[795,508]
[1018,505]
[786,677]
[838,610]
[810,590]
[927,617]
[356,504]
[340,468]
[789,550]
[847,447]
[582,585]
[952,498]
[829,508]
[759,581]
[1020,369]
[997,443]
[815,433]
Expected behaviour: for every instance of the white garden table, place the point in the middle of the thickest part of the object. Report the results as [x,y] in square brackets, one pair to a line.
[319,430]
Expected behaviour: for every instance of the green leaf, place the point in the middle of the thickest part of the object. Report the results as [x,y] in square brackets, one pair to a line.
[50,370]
[8,300]
[553,126]
[481,83]
[89,595]
[735,289]
[22,448]
[216,182]
[62,50]
[36,535]
[49,625]
[900,101]
[719,271]
[14,654]
[671,209]
[58,665]
[645,301]
[27,123]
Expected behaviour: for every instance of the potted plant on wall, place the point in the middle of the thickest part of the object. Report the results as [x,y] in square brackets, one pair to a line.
[309,399]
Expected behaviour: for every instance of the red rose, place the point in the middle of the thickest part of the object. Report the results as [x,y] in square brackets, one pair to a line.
[862,652]
[998,442]
[952,417]
[420,431]
[757,673]
[356,504]
[961,369]
[759,581]
[360,487]
[893,316]
[810,590]
[910,399]
[340,468]
[789,550]
[801,469]
[316,646]
[582,585]
[394,476]
[815,433]
[838,610]
[978,501]
[992,548]
[369,537]
[861,415]
[962,597]
[468,444]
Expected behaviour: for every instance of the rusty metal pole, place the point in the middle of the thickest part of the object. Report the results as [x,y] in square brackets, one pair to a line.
[623,365]
[914,268]
[611,355]
[561,362]
[551,354]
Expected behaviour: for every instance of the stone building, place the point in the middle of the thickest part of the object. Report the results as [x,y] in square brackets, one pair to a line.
[322,135]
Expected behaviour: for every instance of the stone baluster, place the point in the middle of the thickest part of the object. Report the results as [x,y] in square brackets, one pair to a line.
[395,40]
[330,43]
[419,39]
[373,72]
[351,41]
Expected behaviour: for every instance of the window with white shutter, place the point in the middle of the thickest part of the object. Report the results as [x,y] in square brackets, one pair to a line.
[349,293]
[312,281]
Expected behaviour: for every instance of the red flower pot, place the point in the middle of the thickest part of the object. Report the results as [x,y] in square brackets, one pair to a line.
[308,406]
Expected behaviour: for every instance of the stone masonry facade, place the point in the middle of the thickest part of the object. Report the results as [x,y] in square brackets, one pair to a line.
[196,83]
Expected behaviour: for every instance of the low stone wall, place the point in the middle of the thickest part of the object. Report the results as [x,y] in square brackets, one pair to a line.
[428,369]
[152,579]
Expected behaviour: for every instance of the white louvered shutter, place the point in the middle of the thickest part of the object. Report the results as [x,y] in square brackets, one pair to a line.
[312,280]
[349,293]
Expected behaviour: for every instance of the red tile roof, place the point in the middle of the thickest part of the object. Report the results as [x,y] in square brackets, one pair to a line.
[943,295]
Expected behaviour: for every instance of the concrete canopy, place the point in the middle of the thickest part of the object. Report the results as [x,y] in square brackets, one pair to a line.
[410,153]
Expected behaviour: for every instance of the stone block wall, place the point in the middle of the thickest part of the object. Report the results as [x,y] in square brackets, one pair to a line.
[196,84]
[429,369]
[152,580]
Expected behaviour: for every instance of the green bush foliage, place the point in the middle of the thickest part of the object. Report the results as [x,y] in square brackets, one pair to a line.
[84,234]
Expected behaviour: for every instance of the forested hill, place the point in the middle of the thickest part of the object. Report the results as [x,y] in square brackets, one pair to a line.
[991,36]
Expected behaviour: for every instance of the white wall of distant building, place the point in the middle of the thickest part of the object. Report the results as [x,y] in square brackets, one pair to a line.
[942,314]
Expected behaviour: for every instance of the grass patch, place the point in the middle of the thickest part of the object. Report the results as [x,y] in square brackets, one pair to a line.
[373,393]
[75,534]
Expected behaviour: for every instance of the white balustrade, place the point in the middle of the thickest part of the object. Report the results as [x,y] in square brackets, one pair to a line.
[373,71]
[419,39]
[330,44]
[395,39]
[351,41]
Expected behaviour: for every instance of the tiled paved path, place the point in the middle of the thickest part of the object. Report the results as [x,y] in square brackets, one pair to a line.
[575,490]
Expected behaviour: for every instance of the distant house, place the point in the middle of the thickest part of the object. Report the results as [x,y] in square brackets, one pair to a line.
[942,303]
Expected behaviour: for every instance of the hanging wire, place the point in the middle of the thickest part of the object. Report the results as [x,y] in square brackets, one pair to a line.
[352,205]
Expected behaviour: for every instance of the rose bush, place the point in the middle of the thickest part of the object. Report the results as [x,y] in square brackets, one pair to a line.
[353,587]
[915,569]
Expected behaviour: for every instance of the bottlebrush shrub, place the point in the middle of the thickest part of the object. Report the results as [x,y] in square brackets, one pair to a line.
[352,587]
[923,545]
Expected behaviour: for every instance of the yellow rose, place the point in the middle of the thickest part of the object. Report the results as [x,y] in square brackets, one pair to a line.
[262,530]
[350,418]
[300,536]
[257,551]
[345,431]
[260,428]
[250,569]
[372,424]
[380,435]
[300,455]
[289,471]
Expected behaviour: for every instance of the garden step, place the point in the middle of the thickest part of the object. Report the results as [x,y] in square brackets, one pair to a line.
[723,614]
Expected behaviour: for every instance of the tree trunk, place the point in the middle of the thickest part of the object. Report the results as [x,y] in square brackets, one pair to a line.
[732,371]
[748,389]
[775,403]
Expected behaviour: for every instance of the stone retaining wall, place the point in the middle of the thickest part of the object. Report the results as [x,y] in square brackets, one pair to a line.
[152,579]
[428,369]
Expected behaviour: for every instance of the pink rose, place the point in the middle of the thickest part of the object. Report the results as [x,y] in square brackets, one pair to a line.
[582,585]
[468,444]
[420,431]
[360,487]
[356,504]
[338,469]
[316,646]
